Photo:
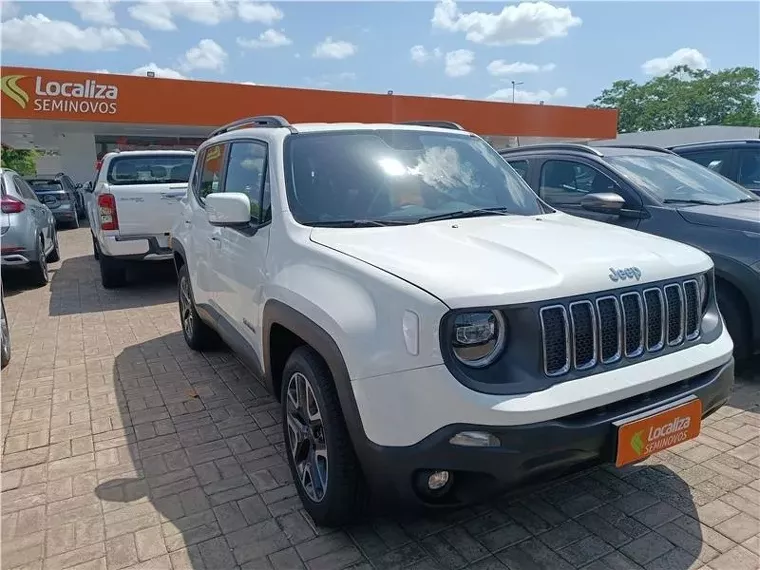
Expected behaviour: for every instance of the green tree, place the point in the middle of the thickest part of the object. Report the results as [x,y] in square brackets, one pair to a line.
[685,97]
[20,160]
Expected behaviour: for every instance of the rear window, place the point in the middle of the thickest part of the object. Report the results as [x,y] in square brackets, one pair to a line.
[153,169]
[45,185]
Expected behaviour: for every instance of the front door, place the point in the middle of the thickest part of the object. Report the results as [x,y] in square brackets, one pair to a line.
[242,265]
[563,183]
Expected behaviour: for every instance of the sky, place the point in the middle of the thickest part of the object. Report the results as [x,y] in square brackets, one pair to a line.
[559,53]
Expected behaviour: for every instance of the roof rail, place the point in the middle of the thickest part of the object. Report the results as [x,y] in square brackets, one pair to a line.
[651,147]
[553,146]
[263,121]
[438,124]
[716,142]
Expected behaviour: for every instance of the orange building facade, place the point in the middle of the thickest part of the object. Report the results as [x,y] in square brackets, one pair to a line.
[98,112]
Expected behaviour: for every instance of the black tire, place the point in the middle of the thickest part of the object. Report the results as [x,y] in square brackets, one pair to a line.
[113,273]
[734,312]
[54,255]
[344,496]
[95,250]
[5,351]
[39,268]
[198,335]
[75,222]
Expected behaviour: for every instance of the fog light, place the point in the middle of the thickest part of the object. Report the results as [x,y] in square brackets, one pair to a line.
[438,480]
[475,439]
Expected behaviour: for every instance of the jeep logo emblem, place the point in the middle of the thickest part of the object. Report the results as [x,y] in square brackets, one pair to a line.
[623,274]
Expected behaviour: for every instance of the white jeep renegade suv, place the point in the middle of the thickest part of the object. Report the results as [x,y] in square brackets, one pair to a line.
[433,330]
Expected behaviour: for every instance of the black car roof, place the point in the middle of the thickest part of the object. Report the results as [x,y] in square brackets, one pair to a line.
[714,144]
[576,149]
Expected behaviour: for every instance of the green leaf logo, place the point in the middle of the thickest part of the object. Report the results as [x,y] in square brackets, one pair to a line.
[637,443]
[9,86]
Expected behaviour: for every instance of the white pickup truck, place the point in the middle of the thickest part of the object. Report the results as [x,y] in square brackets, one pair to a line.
[132,206]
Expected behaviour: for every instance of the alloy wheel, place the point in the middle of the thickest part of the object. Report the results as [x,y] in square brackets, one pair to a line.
[306,437]
[186,307]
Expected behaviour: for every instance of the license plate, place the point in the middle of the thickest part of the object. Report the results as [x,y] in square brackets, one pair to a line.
[641,436]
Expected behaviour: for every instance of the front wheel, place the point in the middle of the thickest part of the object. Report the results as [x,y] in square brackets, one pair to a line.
[54,255]
[320,454]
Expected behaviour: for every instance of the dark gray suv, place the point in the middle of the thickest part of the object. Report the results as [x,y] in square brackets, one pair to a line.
[737,160]
[656,191]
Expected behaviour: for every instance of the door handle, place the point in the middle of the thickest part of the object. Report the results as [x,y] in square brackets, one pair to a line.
[217,241]
[214,238]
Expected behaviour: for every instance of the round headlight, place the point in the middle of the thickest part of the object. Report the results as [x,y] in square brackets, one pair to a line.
[702,285]
[479,338]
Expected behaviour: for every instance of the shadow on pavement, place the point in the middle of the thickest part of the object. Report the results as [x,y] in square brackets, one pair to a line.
[75,287]
[205,461]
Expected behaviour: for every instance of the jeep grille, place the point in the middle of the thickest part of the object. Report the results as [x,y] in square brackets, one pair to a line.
[588,332]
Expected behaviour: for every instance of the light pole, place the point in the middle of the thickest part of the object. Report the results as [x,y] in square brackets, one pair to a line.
[514,85]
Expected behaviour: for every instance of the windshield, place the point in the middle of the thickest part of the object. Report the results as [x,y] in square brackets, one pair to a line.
[45,185]
[150,169]
[673,179]
[400,176]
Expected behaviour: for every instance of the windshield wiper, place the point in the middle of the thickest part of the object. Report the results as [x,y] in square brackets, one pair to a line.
[687,201]
[465,214]
[742,201]
[358,223]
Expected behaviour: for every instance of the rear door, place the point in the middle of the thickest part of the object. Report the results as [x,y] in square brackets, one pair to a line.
[43,216]
[148,189]
[748,168]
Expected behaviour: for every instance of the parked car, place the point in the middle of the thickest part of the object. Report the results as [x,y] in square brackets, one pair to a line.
[656,191]
[132,206]
[434,331]
[59,193]
[29,237]
[5,333]
[737,160]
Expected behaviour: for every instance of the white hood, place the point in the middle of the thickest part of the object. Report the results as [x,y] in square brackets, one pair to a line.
[513,259]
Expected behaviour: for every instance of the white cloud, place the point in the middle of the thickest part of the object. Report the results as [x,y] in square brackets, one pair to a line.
[528,96]
[163,72]
[527,23]
[96,11]
[270,38]
[500,68]
[444,96]
[248,83]
[206,55]
[334,49]
[459,62]
[102,71]
[420,54]
[684,56]
[160,15]
[8,10]
[40,35]
[331,79]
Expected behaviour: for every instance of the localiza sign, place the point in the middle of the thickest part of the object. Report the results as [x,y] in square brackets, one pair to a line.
[47,96]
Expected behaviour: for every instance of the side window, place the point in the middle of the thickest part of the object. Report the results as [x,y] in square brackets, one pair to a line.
[749,168]
[521,166]
[24,189]
[246,172]
[565,183]
[211,171]
[716,160]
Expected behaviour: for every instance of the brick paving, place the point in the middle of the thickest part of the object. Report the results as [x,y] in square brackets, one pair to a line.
[123,449]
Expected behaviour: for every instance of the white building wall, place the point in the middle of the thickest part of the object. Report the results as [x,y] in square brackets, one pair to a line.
[77,155]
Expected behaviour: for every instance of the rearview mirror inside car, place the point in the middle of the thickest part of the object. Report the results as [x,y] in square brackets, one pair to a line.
[228,209]
[603,203]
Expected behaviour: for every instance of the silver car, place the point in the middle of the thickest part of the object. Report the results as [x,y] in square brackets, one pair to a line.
[29,238]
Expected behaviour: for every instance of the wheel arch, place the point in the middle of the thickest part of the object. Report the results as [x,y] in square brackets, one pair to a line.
[737,276]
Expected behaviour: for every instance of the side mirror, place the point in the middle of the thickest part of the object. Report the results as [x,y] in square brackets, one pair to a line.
[603,203]
[89,187]
[228,209]
[79,186]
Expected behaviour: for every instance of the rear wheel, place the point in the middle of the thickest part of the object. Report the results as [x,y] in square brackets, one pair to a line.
[731,306]
[54,255]
[198,335]
[113,272]
[75,222]
[5,352]
[320,454]
[40,275]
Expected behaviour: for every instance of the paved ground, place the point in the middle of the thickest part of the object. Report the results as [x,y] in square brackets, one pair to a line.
[124,449]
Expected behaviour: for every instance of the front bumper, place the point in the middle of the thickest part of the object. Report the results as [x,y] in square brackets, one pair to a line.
[527,453]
